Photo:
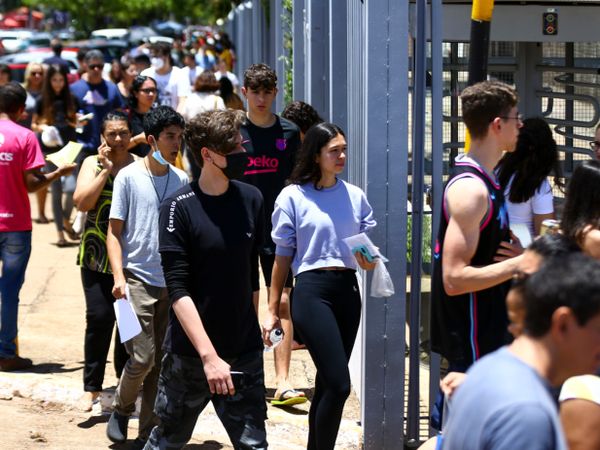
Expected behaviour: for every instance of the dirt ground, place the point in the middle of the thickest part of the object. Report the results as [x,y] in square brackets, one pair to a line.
[39,408]
[34,425]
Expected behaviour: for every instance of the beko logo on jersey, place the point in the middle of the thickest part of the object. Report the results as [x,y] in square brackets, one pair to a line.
[261,164]
[263,161]
[6,156]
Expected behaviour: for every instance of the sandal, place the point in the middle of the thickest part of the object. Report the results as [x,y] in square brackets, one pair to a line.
[62,243]
[42,220]
[71,233]
[294,397]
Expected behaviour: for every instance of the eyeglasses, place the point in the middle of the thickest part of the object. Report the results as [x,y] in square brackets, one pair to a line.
[148,91]
[121,134]
[518,117]
[37,74]
[594,145]
[96,66]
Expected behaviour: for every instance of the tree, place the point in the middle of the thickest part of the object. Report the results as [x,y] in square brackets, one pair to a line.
[93,14]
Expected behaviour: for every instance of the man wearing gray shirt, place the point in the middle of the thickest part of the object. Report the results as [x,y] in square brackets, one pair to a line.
[505,402]
[132,244]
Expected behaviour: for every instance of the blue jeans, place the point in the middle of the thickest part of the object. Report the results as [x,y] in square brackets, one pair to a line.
[15,249]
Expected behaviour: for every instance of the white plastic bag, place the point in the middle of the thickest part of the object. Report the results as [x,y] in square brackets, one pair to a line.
[381,284]
[51,137]
[79,222]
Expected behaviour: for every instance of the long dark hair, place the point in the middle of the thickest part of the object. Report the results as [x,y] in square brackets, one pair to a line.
[136,85]
[307,169]
[534,158]
[49,97]
[582,205]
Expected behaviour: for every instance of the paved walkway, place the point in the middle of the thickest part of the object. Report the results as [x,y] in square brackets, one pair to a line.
[52,322]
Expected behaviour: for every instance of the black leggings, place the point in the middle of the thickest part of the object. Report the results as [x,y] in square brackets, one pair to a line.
[326,312]
[99,323]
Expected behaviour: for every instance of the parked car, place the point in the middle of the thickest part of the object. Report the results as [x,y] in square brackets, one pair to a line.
[111,49]
[17,62]
[20,40]
[110,33]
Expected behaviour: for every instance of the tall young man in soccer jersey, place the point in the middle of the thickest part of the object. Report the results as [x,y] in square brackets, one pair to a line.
[21,161]
[474,258]
[132,243]
[271,143]
[210,234]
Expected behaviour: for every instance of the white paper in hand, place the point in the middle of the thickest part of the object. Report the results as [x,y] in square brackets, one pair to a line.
[127,321]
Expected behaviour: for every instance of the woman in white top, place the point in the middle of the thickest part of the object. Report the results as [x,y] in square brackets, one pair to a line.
[311,218]
[524,176]
[204,97]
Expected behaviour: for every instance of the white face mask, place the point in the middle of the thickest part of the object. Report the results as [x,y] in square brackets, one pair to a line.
[158,157]
[157,63]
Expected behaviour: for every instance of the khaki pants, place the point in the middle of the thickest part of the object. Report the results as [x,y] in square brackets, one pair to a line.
[151,305]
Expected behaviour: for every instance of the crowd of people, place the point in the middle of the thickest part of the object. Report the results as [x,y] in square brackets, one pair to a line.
[185,196]
[514,325]
[176,190]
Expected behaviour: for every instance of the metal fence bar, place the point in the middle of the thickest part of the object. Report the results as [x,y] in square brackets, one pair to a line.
[317,56]
[418,151]
[386,102]
[277,25]
[437,159]
[298,49]
[338,63]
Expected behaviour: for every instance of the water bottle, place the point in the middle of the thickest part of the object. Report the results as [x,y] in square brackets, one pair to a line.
[276,336]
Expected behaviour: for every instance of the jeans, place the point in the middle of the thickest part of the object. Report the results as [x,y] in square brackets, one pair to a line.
[151,305]
[61,211]
[183,393]
[15,249]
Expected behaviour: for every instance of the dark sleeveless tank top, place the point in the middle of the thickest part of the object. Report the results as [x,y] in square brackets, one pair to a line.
[467,326]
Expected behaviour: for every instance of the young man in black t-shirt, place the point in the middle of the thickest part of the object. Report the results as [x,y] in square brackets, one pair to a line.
[271,143]
[210,234]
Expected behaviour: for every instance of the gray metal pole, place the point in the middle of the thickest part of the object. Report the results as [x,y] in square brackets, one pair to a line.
[338,63]
[437,158]
[418,150]
[317,56]
[298,52]
[276,24]
[386,127]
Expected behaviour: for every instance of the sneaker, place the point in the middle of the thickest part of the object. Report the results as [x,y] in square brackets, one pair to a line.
[117,427]
[16,363]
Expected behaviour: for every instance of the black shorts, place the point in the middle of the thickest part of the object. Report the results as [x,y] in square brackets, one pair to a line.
[266,263]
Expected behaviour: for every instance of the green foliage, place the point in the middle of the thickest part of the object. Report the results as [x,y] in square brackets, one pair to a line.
[92,14]
[288,51]
[426,242]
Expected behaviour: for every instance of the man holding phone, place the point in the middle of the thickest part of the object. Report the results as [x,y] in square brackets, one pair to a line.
[210,234]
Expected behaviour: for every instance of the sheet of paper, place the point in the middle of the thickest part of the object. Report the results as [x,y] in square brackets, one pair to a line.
[127,321]
[362,239]
[521,231]
[65,155]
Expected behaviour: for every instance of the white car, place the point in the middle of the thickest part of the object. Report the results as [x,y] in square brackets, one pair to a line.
[110,33]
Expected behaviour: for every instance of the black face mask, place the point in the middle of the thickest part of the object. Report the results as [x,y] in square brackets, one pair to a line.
[236,165]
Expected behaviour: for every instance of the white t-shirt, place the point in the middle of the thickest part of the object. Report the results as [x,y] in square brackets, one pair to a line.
[191,74]
[540,203]
[170,86]
[232,77]
[199,102]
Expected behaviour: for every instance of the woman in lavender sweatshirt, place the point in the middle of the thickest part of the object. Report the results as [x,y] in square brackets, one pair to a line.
[312,215]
